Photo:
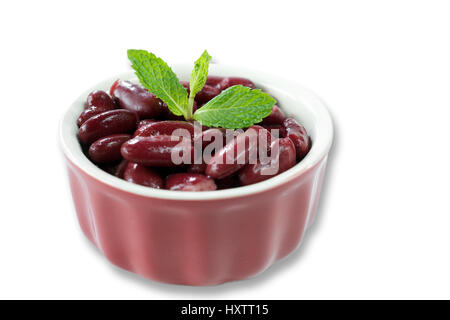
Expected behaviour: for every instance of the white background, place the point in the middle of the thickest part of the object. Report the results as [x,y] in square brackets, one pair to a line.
[383,67]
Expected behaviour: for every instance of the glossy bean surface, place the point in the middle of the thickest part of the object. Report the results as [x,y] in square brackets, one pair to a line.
[107,149]
[89,113]
[100,99]
[97,102]
[145,122]
[164,128]
[297,133]
[140,174]
[190,182]
[284,157]
[231,158]
[136,98]
[156,150]
[206,94]
[107,123]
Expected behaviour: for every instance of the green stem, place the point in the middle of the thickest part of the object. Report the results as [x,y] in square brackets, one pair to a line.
[190,107]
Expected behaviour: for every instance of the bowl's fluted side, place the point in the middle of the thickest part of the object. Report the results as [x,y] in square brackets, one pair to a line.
[195,242]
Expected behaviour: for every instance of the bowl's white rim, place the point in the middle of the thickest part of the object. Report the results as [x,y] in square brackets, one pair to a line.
[320,147]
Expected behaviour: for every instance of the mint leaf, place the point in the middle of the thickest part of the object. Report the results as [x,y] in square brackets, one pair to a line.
[198,78]
[198,75]
[155,75]
[236,107]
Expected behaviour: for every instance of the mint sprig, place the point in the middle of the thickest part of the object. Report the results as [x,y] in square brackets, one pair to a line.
[155,75]
[235,107]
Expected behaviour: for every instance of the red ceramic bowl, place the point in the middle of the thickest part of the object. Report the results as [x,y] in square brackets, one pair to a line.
[203,238]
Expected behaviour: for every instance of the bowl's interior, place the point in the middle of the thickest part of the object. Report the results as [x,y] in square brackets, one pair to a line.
[295,100]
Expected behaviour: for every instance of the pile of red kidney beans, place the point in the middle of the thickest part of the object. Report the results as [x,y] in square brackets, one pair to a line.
[127,134]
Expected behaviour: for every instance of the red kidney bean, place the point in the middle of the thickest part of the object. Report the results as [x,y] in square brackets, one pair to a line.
[233,81]
[197,168]
[140,174]
[136,98]
[230,159]
[164,128]
[107,149]
[89,113]
[214,80]
[100,99]
[107,123]
[206,94]
[116,169]
[297,133]
[156,150]
[97,102]
[144,123]
[276,117]
[284,159]
[190,182]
